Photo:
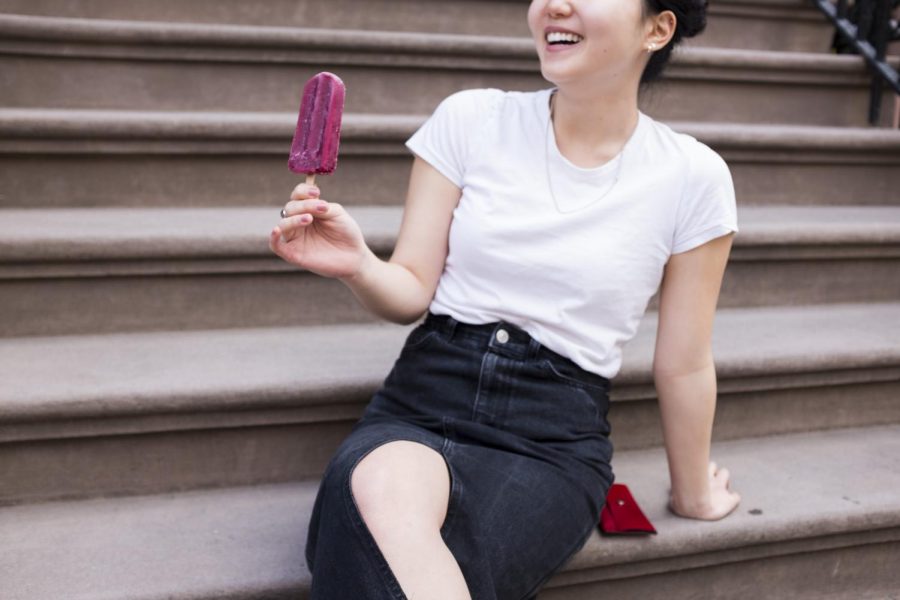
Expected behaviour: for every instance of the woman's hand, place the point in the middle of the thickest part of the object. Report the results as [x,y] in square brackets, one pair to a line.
[326,241]
[721,502]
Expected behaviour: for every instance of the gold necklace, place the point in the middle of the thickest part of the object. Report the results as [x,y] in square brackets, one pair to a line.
[547,165]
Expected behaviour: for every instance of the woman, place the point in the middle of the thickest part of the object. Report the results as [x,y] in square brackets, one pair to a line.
[536,228]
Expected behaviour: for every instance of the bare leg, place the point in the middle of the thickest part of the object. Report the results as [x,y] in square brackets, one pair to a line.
[402,490]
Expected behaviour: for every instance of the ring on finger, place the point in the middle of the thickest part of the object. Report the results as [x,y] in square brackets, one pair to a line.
[283,214]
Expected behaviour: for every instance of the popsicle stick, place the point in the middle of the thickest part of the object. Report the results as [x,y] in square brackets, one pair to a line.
[310,179]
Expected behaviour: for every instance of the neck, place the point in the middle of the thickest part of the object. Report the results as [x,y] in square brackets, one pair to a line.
[592,128]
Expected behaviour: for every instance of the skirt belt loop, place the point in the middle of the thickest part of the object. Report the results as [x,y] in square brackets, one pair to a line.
[443,323]
[450,327]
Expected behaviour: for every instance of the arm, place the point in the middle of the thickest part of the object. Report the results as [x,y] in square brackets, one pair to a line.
[401,289]
[685,378]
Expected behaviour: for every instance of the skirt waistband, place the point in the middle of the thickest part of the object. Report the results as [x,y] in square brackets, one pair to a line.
[511,340]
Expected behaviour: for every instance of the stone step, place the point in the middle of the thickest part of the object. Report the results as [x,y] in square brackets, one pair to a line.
[75,63]
[105,270]
[119,414]
[792,25]
[819,518]
[196,159]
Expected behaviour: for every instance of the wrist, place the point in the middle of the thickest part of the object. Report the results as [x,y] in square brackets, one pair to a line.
[692,505]
[368,261]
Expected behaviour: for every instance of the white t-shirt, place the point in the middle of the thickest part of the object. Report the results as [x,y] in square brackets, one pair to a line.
[579,282]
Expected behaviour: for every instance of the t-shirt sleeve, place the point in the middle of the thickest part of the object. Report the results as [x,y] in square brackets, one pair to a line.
[708,208]
[445,138]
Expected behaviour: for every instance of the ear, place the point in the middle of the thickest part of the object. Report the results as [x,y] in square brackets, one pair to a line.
[660,29]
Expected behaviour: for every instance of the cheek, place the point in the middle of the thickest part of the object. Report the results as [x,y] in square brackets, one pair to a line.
[532,15]
[609,39]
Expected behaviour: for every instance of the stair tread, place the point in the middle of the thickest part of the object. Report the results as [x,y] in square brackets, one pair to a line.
[150,33]
[77,234]
[71,131]
[243,542]
[172,372]
[105,122]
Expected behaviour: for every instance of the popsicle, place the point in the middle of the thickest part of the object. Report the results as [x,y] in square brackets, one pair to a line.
[318,134]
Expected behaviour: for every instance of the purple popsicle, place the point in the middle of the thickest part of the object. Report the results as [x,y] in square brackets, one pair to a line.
[318,134]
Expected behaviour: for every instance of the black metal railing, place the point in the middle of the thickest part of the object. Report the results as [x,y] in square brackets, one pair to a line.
[865,27]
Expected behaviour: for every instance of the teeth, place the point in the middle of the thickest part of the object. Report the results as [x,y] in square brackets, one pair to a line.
[559,36]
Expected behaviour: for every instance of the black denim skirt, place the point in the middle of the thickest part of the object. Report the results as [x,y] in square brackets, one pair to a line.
[525,436]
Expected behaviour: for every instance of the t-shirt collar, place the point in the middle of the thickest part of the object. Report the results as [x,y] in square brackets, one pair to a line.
[634,140]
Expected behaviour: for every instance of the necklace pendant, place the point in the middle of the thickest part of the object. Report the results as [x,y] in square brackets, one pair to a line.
[620,158]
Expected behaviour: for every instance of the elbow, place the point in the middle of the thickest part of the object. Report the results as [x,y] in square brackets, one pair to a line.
[412,318]
[418,299]
[684,365]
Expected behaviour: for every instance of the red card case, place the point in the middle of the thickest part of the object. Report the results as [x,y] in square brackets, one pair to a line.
[621,513]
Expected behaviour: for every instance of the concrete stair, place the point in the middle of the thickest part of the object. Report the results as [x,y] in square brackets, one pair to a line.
[791,25]
[104,270]
[170,391]
[820,513]
[215,159]
[91,63]
[165,411]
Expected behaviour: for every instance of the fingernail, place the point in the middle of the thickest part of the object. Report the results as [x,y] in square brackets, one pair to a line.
[321,207]
[314,191]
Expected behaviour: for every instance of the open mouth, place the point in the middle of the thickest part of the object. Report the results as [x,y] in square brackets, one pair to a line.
[559,39]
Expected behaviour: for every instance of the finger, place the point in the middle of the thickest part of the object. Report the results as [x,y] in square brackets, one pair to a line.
[278,238]
[303,191]
[274,240]
[298,207]
[290,225]
[732,508]
[723,474]
[326,210]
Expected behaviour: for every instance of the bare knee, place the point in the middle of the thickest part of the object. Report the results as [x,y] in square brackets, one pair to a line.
[401,487]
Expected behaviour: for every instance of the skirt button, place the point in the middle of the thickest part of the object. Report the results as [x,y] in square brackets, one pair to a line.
[502,336]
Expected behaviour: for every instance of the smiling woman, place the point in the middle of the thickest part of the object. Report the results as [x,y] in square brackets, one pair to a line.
[688,19]
[537,226]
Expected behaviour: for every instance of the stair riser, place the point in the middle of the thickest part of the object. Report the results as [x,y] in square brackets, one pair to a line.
[788,31]
[62,306]
[174,173]
[690,92]
[227,453]
[765,26]
[854,568]
[227,179]
[72,304]
[171,461]
[495,17]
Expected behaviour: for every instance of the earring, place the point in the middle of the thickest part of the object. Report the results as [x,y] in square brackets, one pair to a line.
[650,48]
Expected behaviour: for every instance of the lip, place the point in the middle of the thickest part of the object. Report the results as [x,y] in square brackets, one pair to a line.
[551,28]
[559,47]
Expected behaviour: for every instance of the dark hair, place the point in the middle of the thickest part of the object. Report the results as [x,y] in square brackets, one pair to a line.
[690,16]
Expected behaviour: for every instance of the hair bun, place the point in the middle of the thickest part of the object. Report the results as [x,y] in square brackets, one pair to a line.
[694,19]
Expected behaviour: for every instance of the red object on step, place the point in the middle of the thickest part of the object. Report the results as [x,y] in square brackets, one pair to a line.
[621,513]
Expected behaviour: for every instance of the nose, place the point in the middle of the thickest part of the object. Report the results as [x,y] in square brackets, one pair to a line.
[558,7]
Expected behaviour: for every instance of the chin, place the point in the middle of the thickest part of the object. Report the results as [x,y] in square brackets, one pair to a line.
[557,77]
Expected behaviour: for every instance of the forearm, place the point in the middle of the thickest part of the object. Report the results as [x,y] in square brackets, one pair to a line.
[687,403]
[389,290]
